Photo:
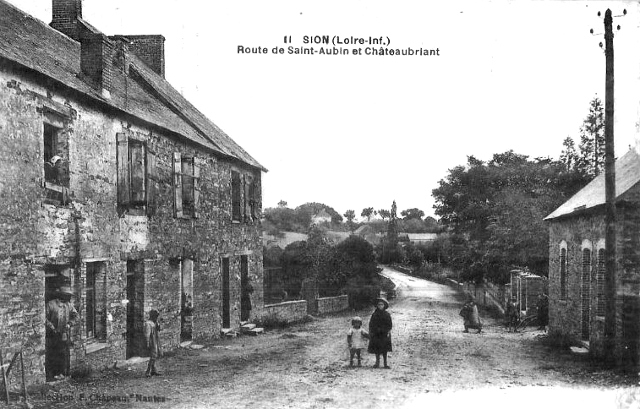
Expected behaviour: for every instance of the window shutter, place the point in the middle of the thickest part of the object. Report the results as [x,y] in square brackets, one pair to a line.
[122,157]
[255,209]
[137,172]
[236,205]
[177,183]
[152,183]
[247,199]
[197,163]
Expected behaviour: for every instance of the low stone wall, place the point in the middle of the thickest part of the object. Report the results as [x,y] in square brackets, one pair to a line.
[328,305]
[289,311]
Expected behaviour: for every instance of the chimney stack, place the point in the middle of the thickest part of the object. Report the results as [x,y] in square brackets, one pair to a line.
[96,55]
[65,17]
[150,49]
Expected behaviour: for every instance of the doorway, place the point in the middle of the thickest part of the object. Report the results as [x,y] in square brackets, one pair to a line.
[226,318]
[135,308]
[186,300]
[245,289]
[57,353]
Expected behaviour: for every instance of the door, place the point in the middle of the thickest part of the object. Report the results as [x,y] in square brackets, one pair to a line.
[630,329]
[135,308]
[226,319]
[246,290]
[186,300]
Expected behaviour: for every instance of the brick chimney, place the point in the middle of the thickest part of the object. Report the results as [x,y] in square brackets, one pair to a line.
[65,17]
[96,61]
[150,49]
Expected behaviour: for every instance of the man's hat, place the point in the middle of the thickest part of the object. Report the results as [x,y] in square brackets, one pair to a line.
[154,314]
[65,290]
[356,319]
[382,300]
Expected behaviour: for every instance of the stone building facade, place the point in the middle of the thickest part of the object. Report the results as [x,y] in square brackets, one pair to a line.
[577,264]
[149,206]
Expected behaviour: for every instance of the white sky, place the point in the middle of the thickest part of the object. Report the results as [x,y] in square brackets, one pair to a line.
[358,131]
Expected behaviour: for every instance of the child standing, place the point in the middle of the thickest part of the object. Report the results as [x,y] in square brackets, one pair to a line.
[356,339]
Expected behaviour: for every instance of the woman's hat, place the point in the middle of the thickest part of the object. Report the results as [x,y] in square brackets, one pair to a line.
[154,314]
[382,300]
[65,290]
[356,319]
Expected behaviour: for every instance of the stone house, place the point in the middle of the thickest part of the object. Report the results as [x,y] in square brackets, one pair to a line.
[116,186]
[577,263]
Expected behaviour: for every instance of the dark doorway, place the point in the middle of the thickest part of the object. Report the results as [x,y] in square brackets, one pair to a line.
[586,294]
[135,308]
[186,299]
[57,344]
[226,319]
[246,289]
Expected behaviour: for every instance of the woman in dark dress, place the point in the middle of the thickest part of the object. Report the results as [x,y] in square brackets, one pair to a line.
[380,332]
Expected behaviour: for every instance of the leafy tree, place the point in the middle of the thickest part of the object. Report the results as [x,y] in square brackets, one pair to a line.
[350,215]
[384,213]
[282,203]
[591,159]
[494,211]
[412,214]
[368,213]
[308,210]
[569,155]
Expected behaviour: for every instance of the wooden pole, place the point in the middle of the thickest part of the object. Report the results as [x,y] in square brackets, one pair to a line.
[4,378]
[24,384]
[610,194]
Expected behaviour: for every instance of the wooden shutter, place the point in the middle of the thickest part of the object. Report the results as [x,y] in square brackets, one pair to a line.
[137,172]
[177,183]
[247,198]
[152,183]
[255,209]
[235,196]
[122,157]
[197,164]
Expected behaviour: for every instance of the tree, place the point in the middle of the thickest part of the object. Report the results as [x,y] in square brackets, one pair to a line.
[591,159]
[384,213]
[368,212]
[569,155]
[412,214]
[495,212]
[282,204]
[350,215]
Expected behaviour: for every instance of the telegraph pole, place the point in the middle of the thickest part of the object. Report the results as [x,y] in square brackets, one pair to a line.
[610,196]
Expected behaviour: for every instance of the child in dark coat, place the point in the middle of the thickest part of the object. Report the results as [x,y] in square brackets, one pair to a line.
[380,332]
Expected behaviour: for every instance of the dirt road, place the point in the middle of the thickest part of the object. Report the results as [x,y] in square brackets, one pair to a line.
[306,366]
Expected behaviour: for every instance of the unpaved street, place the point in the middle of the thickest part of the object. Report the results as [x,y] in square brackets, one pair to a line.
[306,366]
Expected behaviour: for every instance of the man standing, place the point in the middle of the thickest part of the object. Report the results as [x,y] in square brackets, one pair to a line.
[543,311]
[60,315]
[152,342]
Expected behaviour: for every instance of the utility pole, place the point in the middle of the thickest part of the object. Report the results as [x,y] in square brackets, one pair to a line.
[610,196]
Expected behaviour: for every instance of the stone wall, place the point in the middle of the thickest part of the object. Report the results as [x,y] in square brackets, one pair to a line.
[289,311]
[328,305]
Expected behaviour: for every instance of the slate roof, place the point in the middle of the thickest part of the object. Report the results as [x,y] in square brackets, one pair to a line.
[31,43]
[593,195]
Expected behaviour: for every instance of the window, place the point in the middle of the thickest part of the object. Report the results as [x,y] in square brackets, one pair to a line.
[563,273]
[55,163]
[96,301]
[136,174]
[186,181]
[236,210]
[244,197]
[600,300]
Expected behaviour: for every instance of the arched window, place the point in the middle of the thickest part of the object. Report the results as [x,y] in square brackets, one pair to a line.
[563,273]
[600,300]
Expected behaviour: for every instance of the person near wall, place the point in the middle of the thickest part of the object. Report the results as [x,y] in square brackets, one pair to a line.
[60,316]
[513,315]
[380,332]
[152,342]
[542,307]
[470,315]
[245,301]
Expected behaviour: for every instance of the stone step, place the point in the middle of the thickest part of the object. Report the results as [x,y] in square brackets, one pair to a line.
[185,344]
[228,333]
[255,331]
[247,327]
